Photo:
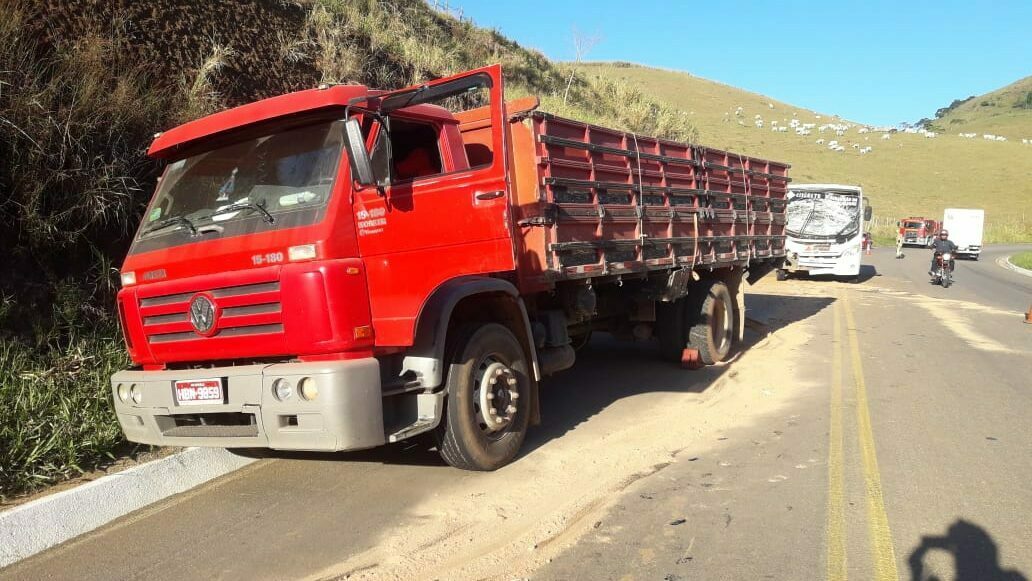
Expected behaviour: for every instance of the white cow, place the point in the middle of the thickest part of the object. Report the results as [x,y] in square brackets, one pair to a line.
[886,136]
[821,141]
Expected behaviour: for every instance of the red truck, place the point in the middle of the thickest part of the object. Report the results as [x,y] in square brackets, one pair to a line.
[918,231]
[339,268]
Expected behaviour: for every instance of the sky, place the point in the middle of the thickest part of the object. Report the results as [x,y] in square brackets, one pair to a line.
[878,62]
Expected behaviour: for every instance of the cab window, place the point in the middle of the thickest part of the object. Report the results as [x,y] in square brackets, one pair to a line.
[414,149]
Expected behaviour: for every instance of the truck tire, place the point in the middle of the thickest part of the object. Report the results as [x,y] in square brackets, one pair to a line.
[711,317]
[781,274]
[488,372]
[670,329]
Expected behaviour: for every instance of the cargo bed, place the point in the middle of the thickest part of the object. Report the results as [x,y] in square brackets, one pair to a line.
[594,201]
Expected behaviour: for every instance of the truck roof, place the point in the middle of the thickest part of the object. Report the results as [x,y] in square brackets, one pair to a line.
[824,187]
[168,143]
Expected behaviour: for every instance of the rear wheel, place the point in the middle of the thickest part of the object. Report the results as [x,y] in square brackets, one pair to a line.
[488,407]
[711,323]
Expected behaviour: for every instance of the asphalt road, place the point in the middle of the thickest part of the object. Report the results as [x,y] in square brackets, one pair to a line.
[895,443]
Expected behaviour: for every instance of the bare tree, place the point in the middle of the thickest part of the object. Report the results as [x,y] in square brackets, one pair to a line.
[582,45]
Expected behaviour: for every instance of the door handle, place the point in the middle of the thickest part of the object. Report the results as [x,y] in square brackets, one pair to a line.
[490,195]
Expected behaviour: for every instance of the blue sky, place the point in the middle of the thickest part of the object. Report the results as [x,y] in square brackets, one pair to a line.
[878,62]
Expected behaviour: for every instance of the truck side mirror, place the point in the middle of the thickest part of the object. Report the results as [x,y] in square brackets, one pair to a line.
[868,212]
[898,224]
[354,142]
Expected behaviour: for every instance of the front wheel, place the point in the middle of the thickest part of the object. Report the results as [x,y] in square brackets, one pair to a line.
[947,278]
[489,386]
[781,274]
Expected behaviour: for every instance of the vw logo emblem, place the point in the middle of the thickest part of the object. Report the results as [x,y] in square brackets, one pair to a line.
[202,314]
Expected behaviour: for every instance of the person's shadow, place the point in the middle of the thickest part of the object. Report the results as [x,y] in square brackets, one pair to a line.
[975,555]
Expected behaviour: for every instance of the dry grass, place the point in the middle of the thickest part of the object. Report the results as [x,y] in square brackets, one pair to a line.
[906,175]
[1006,111]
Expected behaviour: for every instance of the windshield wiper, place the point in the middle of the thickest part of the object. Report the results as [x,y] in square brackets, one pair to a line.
[245,206]
[169,222]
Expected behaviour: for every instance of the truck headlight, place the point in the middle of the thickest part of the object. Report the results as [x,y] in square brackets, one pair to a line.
[136,392]
[308,388]
[281,389]
[123,392]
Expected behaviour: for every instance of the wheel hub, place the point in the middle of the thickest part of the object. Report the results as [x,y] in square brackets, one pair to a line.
[498,390]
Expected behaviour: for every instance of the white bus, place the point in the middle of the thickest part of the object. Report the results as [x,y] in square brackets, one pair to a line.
[825,230]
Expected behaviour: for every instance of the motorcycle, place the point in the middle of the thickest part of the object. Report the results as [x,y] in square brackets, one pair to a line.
[943,273]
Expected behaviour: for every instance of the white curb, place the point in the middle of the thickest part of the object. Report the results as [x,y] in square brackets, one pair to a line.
[51,520]
[1005,262]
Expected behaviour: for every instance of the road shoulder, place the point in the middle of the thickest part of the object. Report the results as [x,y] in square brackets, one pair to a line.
[40,524]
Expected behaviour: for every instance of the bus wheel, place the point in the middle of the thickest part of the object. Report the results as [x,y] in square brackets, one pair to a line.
[488,406]
[710,320]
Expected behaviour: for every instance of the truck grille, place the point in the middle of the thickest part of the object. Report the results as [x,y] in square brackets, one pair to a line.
[250,309]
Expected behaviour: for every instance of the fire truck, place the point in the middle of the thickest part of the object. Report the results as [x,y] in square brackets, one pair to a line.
[918,231]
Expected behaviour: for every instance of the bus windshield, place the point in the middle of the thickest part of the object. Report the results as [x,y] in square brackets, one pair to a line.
[815,214]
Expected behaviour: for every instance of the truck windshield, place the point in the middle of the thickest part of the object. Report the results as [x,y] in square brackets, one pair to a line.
[822,214]
[913,225]
[275,181]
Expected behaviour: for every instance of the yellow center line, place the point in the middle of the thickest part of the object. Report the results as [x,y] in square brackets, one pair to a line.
[836,486]
[877,521]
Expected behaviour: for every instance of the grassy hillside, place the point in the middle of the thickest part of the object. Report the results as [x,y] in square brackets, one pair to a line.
[908,174]
[1006,111]
[84,84]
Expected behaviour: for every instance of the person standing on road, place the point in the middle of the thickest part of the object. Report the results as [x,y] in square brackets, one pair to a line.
[942,244]
[899,245]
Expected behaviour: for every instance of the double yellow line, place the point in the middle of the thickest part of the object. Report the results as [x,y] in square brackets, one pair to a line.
[882,553]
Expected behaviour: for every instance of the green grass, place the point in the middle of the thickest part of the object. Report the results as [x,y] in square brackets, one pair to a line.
[1022,259]
[903,176]
[55,408]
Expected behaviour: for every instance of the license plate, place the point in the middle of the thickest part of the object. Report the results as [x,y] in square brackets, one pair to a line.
[199,391]
[822,247]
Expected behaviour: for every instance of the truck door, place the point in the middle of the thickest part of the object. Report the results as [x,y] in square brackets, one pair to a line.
[445,210]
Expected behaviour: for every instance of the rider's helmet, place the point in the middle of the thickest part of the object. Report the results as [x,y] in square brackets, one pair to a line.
[944,234]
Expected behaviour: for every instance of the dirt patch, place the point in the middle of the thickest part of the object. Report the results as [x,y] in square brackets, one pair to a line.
[508,523]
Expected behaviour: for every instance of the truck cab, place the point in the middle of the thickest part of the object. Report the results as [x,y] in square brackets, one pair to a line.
[246,291]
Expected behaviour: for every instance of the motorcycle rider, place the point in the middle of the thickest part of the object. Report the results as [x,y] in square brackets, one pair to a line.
[941,244]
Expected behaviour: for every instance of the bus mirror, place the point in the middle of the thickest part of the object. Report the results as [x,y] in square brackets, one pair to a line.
[361,168]
[868,212]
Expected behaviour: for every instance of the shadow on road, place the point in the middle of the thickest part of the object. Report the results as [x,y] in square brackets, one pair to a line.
[975,555]
[609,370]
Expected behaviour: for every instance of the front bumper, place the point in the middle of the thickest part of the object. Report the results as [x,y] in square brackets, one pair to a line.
[836,265]
[347,414]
